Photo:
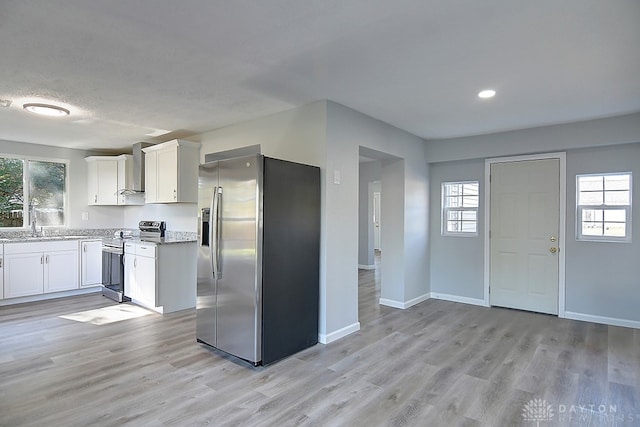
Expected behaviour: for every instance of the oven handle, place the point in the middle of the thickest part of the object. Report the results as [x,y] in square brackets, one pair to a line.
[112,250]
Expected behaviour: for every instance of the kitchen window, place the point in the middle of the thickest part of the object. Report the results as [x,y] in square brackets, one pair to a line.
[32,189]
[603,207]
[460,208]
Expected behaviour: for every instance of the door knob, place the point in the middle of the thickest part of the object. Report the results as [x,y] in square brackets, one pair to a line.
[553,250]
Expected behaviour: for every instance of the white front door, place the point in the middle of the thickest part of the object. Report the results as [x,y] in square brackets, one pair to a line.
[524,232]
[376,221]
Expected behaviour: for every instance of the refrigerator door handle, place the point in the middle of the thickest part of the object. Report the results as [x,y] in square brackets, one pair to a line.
[218,224]
[213,231]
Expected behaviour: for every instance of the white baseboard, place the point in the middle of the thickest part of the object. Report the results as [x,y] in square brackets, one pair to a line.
[391,303]
[404,305]
[336,335]
[366,267]
[613,321]
[42,297]
[457,298]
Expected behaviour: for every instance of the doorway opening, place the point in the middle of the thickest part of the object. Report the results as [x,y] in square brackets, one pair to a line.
[380,230]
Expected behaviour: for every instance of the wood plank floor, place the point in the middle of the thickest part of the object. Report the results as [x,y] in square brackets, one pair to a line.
[435,364]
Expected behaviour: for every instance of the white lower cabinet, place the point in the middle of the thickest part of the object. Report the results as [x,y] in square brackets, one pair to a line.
[161,277]
[91,263]
[60,271]
[140,273]
[24,274]
[40,267]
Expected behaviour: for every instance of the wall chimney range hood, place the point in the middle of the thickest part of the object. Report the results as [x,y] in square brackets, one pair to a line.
[137,179]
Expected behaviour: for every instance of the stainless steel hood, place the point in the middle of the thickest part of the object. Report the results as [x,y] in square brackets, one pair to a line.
[137,180]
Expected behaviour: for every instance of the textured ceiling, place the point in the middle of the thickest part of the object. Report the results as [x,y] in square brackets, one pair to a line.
[131,70]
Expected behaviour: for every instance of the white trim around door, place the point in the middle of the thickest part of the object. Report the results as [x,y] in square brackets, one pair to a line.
[561,156]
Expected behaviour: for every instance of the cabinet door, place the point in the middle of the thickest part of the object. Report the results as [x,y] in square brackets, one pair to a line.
[23,275]
[168,175]
[151,177]
[60,271]
[146,280]
[92,183]
[107,182]
[91,265]
[130,283]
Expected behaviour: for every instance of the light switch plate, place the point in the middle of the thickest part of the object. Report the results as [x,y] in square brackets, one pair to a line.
[336,177]
[85,216]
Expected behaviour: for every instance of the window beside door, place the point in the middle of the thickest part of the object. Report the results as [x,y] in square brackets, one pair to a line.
[460,208]
[603,207]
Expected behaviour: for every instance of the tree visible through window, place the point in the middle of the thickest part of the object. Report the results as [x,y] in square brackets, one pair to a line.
[44,192]
[604,207]
[460,208]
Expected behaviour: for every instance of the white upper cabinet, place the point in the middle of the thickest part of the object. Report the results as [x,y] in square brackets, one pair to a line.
[107,177]
[102,181]
[171,172]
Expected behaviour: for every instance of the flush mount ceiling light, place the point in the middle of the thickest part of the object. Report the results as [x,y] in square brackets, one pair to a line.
[46,109]
[487,93]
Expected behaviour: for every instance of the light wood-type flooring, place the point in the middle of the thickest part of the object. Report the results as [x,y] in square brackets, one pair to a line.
[435,364]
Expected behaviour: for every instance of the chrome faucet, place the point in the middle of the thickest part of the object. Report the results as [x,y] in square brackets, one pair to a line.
[34,223]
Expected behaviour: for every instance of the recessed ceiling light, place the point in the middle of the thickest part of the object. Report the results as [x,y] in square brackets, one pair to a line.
[487,93]
[46,109]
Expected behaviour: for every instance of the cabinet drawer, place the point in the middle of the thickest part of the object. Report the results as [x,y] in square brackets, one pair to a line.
[146,249]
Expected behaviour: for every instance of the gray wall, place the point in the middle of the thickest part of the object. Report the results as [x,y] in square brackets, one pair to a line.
[592,133]
[370,172]
[602,279]
[457,262]
[405,206]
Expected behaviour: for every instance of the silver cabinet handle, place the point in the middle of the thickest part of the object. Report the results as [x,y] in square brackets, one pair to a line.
[95,199]
[41,259]
[135,262]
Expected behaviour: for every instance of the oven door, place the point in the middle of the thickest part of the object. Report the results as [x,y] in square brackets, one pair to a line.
[113,273]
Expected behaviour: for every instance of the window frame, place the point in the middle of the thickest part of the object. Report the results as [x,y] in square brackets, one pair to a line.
[445,209]
[627,208]
[26,187]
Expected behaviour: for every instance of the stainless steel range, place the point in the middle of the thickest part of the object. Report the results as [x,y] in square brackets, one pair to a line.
[113,267]
[151,230]
[113,283]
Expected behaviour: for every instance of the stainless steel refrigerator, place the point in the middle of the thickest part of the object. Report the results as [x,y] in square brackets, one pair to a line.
[259,255]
